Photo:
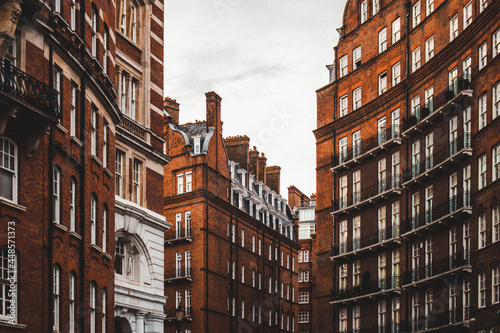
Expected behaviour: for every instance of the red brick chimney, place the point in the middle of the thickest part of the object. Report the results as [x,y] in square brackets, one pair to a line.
[296,198]
[172,107]
[237,148]
[273,175]
[261,168]
[213,111]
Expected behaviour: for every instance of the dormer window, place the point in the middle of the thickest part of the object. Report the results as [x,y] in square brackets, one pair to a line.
[197,145]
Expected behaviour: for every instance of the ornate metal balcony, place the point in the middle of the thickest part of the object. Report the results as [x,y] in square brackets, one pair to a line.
[370,289]
[173,236]
[179,274]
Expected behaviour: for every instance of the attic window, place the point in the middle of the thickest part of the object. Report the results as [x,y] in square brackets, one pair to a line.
[197,145]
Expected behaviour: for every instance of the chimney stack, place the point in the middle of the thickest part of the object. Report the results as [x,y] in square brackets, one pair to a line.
[172,107]
[273,175]
[213,111]
[237,148]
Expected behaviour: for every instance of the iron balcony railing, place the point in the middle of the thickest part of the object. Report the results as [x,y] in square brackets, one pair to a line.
[389,233]
[171,316]
[26,89]
[389,183]
[436,102]
[177,234]
[366,288]
[438,157]
[452,316]
[178,274]
[367,144]
[460,259]
[437,212]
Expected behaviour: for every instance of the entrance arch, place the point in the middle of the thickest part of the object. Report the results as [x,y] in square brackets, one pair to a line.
[122,325]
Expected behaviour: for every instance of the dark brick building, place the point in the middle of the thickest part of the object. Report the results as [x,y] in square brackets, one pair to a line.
[59,126]
[231,255]
[407,170]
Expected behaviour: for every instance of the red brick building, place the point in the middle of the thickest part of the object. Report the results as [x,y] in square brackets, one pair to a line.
[407,170]
[59,126]
[230,258]
[304,208]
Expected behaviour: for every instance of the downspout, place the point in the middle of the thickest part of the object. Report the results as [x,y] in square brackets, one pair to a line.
[205,255]
[51,198]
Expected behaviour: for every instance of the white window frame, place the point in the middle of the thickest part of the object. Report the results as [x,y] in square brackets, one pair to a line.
[396,30]
[481,225]
[467,14]
[416,60]
[481,181]
[396,73]
[483,55]
[93,219]
[495,97]
[57,194]
[416,12]
[343,62]
[56,310]
[453,27]
[429,7]
[363,11]
[429,48]
[356,97]
[344,105]
[382,83]
[356,58]
[481,287]
[382,40]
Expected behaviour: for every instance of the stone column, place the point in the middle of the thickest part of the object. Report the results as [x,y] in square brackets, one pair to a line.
[139,322]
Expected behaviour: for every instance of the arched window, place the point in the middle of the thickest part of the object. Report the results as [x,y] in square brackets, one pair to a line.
[93,221]
[94,31]
[93,290]
[56,313]
[72,300]
[8,264]
[56,189]
[8,169]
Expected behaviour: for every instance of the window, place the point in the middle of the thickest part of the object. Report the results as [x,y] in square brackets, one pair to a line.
[364,11]
[259,246]
[415,59]
[382,271]
[483,55]
[92,307]
[496,43]
[343,105]
[382,175]
[482,172]
[482,111]
[105,131]
[57,194]
[180,184]
[57,84]
[306,256]
[343,277]
[415,310]
[495,94]
[343,65]
[395,219]
[93,133]
[396,73]
[119,257]
[467,14]
[259,280]
[233,269]
[93,28]
[72,112]
[495,285]
[429,48]
[343,192]
[416,14]
[495,221]
[356,58]
[56,311]
[104,311]
[189,182]
[356,98]
[132,99]
[428,257]
[481,223]
[72,299]
[104,227]
[396,30]
[429,195]
[466,185]
[343,237]
[105,45]
[382,40]
[495,159]
[6,298]
[119,173]
[429,296]
[481,286]
[429,151]
[356,145]
[453,27]
[395,314]
[382,83]
[415,261]
[467,67]
[303,317]
[72,20]
[356,273]
[123,21]
[187,265]
[356,186]
[136,187]
[356,320]
[381,315]
[376,6]
[242,273]
[415,207]
[342,320]
[429,8]
[93,221]
[415,158]
[396,172]
[133,19]
[482,5]
[395,269]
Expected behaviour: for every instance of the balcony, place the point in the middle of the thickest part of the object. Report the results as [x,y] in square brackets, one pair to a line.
[179,275]
[440,160]
[446,320]
[452,265]
[173,236]
[382,190]
[384,238]
[383,140]
[27,102]
[134,128]
[437,106]
[435,216]
[170,314]
[370,289]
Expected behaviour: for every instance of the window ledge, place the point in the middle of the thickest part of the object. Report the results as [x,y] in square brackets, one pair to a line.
[97,160]
[62,128]
[108,172]
[107,256]
[7,324]
[75,140]
[60,226]
[8,203]
[74,234]
[96,248]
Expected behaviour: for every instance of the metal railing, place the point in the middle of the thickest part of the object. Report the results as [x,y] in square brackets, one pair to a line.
[457,260]
[178,273]
[366,288]
[24,88]
[435,102]
[177,234]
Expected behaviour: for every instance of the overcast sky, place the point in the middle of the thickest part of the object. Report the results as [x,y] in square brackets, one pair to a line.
[265,58]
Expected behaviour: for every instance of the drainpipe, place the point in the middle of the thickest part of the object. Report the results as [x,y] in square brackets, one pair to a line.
[51,198]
